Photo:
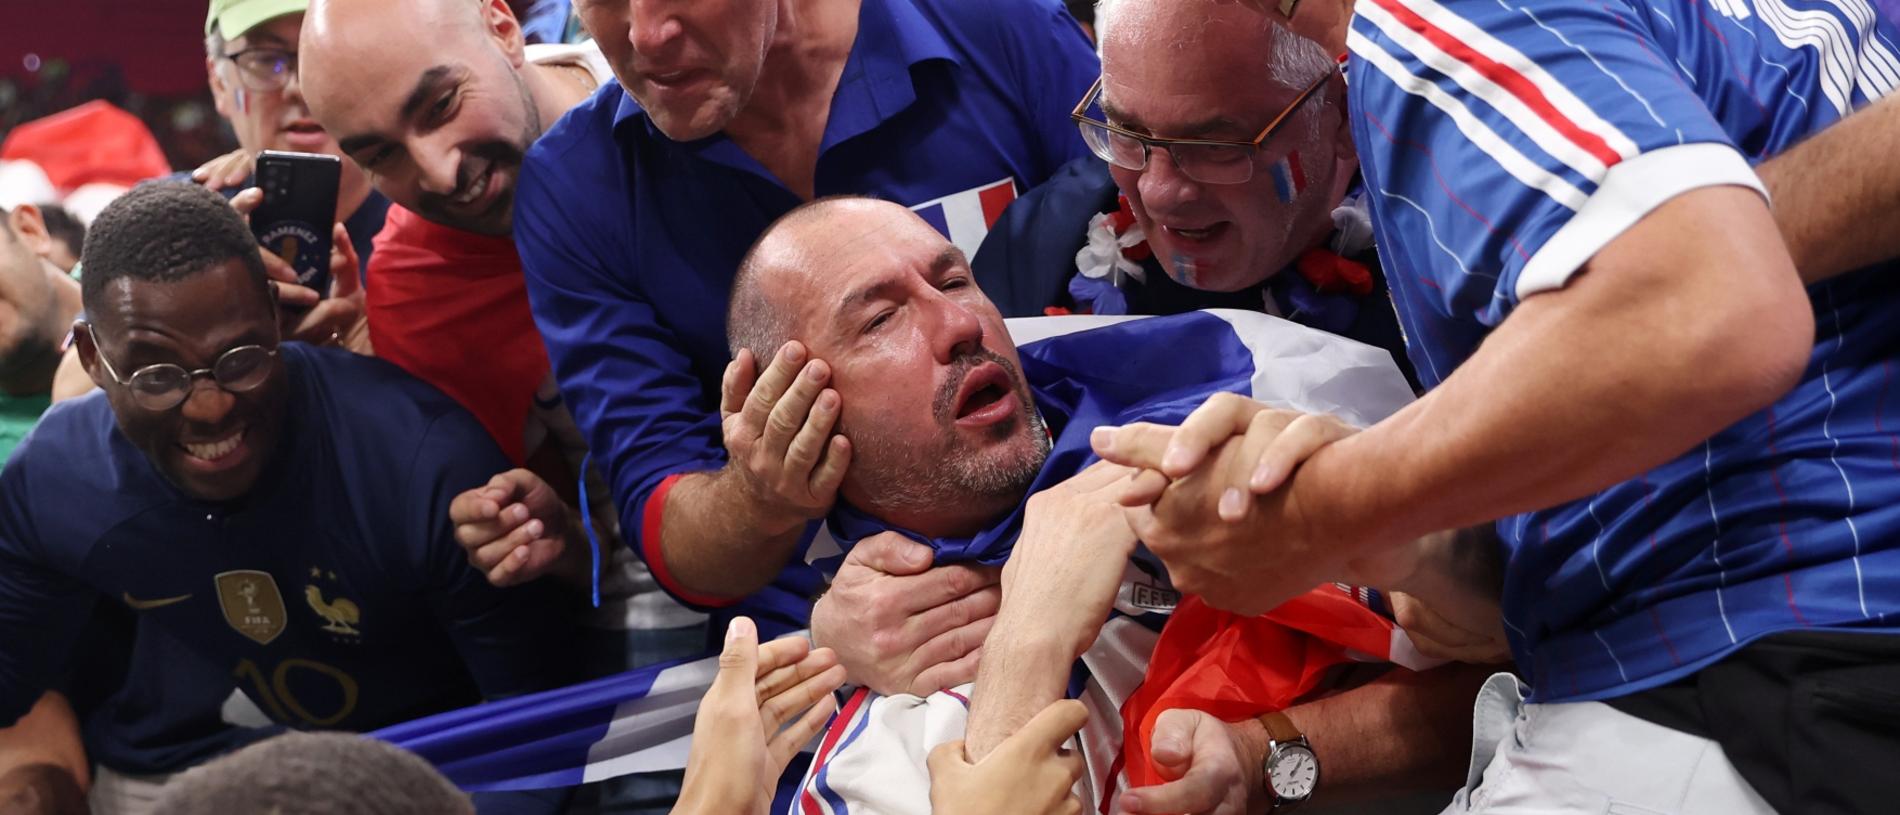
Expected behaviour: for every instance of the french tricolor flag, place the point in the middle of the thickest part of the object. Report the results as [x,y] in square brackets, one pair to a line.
[965,217]
[1288,180]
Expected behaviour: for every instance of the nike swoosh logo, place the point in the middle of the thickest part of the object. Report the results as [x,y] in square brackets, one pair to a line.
[146,605]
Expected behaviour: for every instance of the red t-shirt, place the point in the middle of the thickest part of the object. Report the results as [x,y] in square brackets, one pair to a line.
[451,308]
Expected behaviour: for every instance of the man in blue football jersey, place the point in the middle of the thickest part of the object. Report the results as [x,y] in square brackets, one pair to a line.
[632,213]
[1575,188]
[279,528]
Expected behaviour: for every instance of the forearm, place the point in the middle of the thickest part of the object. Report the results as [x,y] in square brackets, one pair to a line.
[1022,672]
[718,542]
[1460,577]
[33,789]
[1404,731]
[1658,345]
[1834,205]
[47,736]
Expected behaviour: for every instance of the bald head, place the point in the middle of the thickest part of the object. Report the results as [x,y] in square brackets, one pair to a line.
[337,33]
[920,363]
[428,95]
[792,252]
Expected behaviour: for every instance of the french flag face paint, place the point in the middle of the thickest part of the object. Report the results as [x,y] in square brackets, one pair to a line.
[1288,179]
[243,100]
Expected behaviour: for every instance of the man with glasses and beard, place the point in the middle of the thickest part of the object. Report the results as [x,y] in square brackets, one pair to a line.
[275,514]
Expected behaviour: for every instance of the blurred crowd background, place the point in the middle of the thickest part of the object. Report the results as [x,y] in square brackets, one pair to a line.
[141,56]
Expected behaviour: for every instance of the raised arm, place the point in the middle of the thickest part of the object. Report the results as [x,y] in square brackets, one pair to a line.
[1505,433]
[711,532]
[1058,587]
[1837,195]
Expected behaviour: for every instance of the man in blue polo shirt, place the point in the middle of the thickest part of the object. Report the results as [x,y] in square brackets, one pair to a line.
[280,529]
[633,212]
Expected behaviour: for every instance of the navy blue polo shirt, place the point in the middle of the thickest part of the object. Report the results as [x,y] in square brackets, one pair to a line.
[333,595]
[630,239]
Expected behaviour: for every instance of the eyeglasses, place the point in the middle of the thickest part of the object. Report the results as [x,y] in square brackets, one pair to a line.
[264,69]
[165,386]
[1209,161]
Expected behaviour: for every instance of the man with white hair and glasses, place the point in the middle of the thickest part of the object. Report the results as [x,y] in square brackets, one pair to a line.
[1227,180]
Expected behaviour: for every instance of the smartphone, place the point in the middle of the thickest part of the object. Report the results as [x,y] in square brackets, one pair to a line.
[295,220]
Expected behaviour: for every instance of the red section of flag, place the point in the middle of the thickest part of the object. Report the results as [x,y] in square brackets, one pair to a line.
[1294,172]
[1331,274]
[1235,668]
[995,199]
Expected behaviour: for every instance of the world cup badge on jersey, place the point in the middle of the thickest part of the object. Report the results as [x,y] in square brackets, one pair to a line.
[252,604]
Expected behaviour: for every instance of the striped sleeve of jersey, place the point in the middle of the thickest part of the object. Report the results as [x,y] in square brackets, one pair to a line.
[1505,142]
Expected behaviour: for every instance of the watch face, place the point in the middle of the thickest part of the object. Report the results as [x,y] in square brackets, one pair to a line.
[1294,772]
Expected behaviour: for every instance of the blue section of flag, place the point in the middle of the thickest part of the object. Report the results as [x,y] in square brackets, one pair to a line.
[933,215]
[1282,181]
[530,742]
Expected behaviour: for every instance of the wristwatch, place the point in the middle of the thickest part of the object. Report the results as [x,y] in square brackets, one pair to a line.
[1290,772]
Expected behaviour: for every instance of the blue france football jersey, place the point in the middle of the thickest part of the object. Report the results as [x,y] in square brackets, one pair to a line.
[333,594]
[1504,143]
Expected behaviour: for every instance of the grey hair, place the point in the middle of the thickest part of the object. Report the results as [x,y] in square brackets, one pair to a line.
[214,42]
[1294,61]
[313,773]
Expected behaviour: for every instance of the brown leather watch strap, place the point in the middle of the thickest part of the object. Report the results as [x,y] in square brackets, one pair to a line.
[1280,728]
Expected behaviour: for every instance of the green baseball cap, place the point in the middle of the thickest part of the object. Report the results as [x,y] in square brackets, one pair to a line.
[235,18]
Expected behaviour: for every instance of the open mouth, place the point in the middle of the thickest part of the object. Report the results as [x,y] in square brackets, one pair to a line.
[475,191]
[672,79]
[214,452]
[984,397]
[1199,235]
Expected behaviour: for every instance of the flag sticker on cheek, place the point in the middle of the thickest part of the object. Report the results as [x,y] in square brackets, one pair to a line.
[1288,180]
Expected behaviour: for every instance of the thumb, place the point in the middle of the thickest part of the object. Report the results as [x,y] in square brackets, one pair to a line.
[948,754]
[892,553]
[343,269]
[1045,733]
[1173,741]
[738,663]
[516,484]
